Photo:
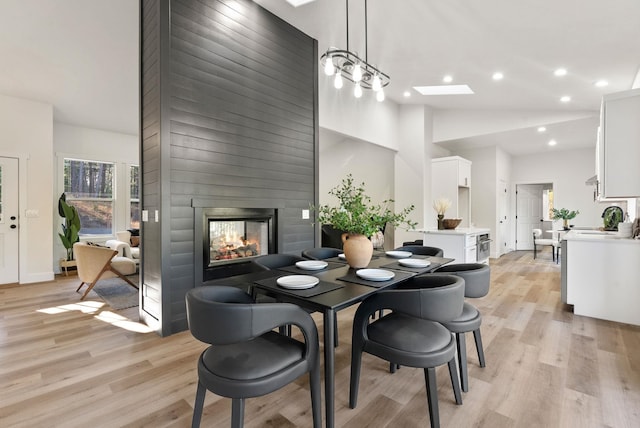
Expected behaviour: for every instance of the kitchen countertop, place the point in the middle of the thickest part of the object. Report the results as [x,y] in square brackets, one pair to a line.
[597,236]
[458,231]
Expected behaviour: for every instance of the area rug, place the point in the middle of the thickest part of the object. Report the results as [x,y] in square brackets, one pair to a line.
[117,293]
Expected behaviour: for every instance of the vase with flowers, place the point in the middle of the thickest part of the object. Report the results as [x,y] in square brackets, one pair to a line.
[441,205]
[358,218]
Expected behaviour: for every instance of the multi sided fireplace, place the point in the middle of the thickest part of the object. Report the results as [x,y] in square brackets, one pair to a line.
[233,236]
[229,233]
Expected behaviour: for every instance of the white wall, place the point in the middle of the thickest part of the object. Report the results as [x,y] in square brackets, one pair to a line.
[95,145]
[364,119]
[26,128]
[568,171]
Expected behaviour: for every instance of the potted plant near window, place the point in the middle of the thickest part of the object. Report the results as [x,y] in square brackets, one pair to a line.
[565,215]
[358,218]
[70,230]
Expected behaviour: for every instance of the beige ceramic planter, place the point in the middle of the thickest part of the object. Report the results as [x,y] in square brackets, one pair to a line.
[358,250]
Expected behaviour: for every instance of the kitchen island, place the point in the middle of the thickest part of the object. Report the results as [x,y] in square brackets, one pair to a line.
[601,275]
[460,244]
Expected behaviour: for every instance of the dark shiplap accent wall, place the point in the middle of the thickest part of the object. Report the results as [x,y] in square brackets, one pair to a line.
[239,100]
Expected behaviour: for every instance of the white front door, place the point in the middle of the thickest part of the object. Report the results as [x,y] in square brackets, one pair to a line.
[528,214]
[9,220]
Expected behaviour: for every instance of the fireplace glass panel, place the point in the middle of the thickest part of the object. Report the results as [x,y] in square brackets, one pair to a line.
[237,239]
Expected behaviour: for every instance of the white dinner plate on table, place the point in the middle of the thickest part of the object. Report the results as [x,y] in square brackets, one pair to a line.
[297,282]
[311,264]
[342,256]
[414,263]
[375,274]
[399,254]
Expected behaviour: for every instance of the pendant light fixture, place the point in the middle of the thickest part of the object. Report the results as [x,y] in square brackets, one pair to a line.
[348,65]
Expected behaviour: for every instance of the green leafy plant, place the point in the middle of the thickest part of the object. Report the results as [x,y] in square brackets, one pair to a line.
[564,214]
[70,227]
[357,214]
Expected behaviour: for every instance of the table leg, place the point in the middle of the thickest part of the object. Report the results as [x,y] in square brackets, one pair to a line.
[329,361]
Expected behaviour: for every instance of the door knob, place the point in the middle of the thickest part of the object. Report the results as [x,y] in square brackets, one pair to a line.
[13,217]
[13,226]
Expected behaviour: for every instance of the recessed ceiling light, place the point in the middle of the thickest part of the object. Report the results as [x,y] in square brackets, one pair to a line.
[407,94]
[296,3]
[552,142]
[497,76]
[601,83]
[560,72]
[444,90]
[565,99]
[447,79]
[541,129]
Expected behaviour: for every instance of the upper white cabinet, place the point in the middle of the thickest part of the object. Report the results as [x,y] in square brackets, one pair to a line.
[618,150]
[451,179]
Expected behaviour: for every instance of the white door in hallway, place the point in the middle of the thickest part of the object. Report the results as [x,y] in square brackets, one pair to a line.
[8,220]
[528,214]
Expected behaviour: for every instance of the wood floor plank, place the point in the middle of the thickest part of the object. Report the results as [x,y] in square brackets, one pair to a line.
[66,363]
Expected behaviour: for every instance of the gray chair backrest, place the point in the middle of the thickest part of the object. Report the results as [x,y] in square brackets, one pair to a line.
[275,261]
[432,297]
[422,250]
[477,277]
[221,315]
[321,253]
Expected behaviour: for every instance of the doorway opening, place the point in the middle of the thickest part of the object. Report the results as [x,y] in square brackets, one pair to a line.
[534,205]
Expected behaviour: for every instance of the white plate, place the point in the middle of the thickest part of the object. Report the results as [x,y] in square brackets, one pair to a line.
[342,256]
[399,254]
[375,274]
[414,263]
[312,264]
[297,282]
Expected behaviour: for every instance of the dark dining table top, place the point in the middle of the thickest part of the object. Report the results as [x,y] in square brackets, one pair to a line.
[352,289]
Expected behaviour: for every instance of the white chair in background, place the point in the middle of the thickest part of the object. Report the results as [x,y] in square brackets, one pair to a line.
[538,240]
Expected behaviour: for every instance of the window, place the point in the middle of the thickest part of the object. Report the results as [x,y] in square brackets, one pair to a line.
[134,196]
[547,205]
[89,187]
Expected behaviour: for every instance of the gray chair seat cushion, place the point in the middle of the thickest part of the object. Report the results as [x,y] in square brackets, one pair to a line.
[469,320]
[262,356]
[412,337]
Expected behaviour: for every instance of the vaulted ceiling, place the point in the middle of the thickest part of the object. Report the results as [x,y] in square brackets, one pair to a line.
[81,56]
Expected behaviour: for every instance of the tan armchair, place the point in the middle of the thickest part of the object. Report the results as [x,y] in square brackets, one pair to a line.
[95,263]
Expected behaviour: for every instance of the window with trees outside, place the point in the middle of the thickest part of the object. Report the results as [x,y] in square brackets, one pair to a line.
[88,186]
[134,195]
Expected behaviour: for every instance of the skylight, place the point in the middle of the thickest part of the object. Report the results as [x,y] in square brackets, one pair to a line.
[444,90]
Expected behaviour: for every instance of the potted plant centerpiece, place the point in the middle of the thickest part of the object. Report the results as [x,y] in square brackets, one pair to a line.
[358,218]
[565,215]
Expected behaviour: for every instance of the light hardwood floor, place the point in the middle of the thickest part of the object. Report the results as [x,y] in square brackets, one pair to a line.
[66,363]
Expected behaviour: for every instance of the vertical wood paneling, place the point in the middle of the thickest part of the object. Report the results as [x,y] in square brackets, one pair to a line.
[241,113]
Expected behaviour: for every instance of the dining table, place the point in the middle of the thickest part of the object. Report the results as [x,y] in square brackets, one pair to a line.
[339,287]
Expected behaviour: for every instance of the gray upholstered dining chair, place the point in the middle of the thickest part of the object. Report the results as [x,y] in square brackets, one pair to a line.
[321,253]
[275,261]
[422,250]
[246,357]
[477,278]
[412,334]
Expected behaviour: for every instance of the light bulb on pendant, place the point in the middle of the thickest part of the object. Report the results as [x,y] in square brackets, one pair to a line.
[357,91]
[337,81]
[328,66]
[357,73]
[380,95]
[377,84]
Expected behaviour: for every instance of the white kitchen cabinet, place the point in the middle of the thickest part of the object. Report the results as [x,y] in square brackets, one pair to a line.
[459,244]
[618,148]
[451,179]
